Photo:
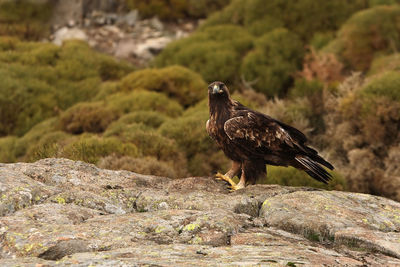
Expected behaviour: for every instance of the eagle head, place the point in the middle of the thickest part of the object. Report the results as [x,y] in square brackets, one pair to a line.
[218,88]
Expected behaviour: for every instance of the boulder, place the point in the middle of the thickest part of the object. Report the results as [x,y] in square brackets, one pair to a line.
[66,33]
[58,212]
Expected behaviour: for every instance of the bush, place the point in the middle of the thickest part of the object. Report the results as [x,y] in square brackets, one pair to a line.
[272,64]
[363,122]
[140,100]
[49,146]
[39,79]
[215,53]
[385,63]
[296,112]
[87,117]
[302,17]
[91,148]
[34,135]
[23,103]
[209,163]
[24,19]
[367,33]
[7,149]
[290,176]
[189,132]
[106,89]
[386,85]
[176,9]
[150,143]
[146,165]
[175,81]
[152,119]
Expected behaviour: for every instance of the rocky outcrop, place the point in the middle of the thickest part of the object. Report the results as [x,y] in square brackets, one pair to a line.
[58,212]
[109,28]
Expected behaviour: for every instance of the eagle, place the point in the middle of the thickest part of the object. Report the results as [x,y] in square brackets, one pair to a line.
[252,140]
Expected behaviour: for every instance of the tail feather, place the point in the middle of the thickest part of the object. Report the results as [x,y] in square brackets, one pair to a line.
[314,169]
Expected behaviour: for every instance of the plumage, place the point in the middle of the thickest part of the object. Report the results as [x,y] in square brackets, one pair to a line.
[252,139]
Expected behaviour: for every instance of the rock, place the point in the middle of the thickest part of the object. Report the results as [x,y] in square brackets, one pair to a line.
[64,248]
[65,33]
[129,19]
[156,24]
[57,212]
[151,47]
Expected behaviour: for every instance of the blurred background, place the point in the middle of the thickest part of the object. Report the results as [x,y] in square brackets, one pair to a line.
[123,84]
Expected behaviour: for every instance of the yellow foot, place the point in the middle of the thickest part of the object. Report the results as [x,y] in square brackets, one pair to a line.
[233,186]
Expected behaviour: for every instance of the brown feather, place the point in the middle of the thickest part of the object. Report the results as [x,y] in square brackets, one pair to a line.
[255,139]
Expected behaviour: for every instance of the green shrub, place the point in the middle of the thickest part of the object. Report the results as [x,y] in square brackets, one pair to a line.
[189,132]
[303,87]
[39,79]
[23,103]
[321,39]
[367,33]
[106,89]
[150,143]
[34,135]
[7,149]
[277,56]
[91,148]
[290,176]
[140,100]
[209,163]
[295,112]
[387,85]
[124,131]
[302,17]
[145,165]
[49,146]
[152,119]
[175,81]
[164,9]
[264,25]
[203,8]
[24,19]
[176,9]
[87,117]
[385,63]
[383,2]
[215,53]
[373,111]
[8,43]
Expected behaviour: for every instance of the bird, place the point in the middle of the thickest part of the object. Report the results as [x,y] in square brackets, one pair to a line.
[253,140]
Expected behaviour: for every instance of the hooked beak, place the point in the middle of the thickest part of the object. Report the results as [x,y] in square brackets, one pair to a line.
[216,89]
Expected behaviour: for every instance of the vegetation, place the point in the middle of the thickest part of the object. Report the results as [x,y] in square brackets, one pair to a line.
[177,82]
[366,34]
[292,60]
[176,9]
[24,19]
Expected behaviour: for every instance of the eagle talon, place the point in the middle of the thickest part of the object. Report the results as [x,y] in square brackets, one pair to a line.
[220,176]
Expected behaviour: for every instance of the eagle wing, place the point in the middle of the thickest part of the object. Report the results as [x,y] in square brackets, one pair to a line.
[263,136]
[260,136]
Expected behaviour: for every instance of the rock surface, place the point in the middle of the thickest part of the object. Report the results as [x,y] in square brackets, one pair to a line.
[58,212]
[110,29]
